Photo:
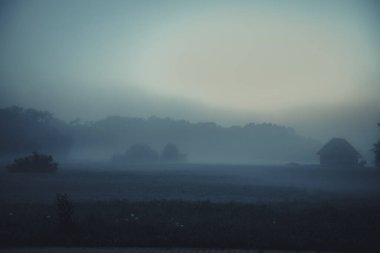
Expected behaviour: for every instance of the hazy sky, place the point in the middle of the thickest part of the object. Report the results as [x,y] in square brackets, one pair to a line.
[313,65]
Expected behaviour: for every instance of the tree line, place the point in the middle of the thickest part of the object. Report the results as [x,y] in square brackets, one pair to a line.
[144,154]
[23,131]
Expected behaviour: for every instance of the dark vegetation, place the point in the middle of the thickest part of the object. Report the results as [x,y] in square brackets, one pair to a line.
[26,130]
[171,153]
[137,154]
[339,226]
[202,142]
[33,163]
[64,208]
[288,208]
[293,207]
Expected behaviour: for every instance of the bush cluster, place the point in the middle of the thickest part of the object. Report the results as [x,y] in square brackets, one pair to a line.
[144,154]
[33,163]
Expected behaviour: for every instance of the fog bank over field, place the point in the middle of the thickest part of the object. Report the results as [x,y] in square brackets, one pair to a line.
[26,130]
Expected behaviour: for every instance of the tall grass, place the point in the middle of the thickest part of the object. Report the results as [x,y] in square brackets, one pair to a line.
[345,226]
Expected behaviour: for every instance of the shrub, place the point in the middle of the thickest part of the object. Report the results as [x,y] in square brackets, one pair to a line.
[171,153]
[138,154]
[33,163]
[64,208]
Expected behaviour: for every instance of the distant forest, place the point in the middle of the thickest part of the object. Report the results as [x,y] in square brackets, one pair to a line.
[26,130]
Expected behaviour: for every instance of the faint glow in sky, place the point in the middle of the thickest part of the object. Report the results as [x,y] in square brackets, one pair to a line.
[257,59]
[259,56]
[313,65]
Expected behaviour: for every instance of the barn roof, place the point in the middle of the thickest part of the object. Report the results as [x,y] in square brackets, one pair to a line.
[338,146]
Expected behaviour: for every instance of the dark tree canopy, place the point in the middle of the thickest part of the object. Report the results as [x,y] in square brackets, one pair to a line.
[25,130]
[138,154]
[170,153]
[202,141]
[33,163]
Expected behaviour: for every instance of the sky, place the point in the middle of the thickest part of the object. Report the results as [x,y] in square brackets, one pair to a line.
[311,65]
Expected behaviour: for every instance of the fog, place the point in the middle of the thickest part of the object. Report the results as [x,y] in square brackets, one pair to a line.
[205,124]
[70,101]
[222,82]
[309,66]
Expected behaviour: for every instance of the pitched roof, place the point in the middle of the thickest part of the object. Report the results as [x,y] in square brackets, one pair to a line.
[338,146]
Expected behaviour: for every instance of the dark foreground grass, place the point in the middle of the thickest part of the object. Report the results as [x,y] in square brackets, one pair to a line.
[344,226]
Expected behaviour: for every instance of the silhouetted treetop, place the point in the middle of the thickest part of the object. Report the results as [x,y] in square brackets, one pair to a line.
[25,130]
[171,153]
[204,141]
[138,154]
[33,163]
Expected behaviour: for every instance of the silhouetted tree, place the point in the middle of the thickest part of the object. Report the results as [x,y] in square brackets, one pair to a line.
[170,153]
[376,150]
[138,154]
[25,130]
[33,163]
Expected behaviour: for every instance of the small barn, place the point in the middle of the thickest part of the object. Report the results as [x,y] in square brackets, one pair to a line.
[338,152]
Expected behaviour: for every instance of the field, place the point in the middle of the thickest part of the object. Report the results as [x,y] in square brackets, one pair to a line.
[191,182]
[195,206]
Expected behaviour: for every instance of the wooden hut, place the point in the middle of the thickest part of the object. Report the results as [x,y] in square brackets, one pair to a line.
[338,152]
